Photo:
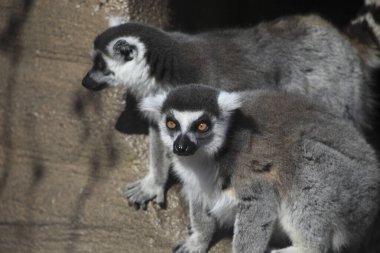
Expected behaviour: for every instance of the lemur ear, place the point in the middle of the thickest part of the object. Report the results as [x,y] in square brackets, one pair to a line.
[151,106]
[125,49]
[115,21]
[229,101]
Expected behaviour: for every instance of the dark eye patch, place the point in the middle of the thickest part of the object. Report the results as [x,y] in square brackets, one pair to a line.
[203,119]
[99,63]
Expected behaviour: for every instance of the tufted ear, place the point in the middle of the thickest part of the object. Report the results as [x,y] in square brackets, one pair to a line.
[229,101]
[151,106]
[115,21]
[123,48]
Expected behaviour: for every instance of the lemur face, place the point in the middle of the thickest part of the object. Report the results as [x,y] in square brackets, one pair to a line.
[192,118]
[120,62]
[186,132]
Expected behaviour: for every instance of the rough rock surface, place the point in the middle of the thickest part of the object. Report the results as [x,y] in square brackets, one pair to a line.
[63,166]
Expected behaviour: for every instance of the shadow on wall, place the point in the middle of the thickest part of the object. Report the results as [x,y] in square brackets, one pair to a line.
[11,49]
[84,104]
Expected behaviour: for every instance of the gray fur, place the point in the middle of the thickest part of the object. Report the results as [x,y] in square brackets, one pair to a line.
[300,54]
[284,160]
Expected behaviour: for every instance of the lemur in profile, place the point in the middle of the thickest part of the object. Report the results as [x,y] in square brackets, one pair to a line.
[300,54]
[261,161]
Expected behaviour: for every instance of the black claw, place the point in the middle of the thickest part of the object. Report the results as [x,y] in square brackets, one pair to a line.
[144,206]
[137,206]
[131,187]
[162,205]
[176,247]
[189,230]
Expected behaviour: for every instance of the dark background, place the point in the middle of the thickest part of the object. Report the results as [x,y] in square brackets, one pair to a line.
[199,15]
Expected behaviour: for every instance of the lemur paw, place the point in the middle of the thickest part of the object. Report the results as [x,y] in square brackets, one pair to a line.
[191,245]
[139,193]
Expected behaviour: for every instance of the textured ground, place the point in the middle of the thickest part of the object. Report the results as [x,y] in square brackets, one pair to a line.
[62,164]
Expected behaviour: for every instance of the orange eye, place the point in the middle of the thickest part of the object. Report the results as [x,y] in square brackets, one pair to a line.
[171,124]
[202,127]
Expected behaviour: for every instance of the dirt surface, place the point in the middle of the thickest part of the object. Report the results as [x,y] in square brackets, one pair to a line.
[63,166]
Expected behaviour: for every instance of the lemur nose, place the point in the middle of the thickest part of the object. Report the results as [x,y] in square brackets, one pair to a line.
[183,146]
[91,84]
[86,80]
[180,148]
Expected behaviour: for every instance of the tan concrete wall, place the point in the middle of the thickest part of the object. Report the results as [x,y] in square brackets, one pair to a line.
[62,164]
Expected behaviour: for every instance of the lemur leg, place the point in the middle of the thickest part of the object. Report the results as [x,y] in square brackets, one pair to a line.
[203,227]
[152,186]
[254,225]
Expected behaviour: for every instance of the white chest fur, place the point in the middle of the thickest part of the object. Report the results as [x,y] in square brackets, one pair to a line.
[199,175]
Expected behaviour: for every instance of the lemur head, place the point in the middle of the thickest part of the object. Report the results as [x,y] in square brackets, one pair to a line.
[192,118]
[122,56]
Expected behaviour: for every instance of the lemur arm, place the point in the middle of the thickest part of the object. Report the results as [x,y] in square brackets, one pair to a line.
[152,186]
[203,227]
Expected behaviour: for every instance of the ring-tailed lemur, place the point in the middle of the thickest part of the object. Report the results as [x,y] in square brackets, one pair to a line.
[256,159]
[301,54]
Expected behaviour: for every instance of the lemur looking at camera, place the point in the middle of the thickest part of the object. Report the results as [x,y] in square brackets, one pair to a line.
[265,161]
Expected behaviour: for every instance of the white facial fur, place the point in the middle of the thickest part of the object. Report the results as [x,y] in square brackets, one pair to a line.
[227,101]
[185,119]
[133,74]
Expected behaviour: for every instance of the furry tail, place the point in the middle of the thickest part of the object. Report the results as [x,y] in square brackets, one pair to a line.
[364,32]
